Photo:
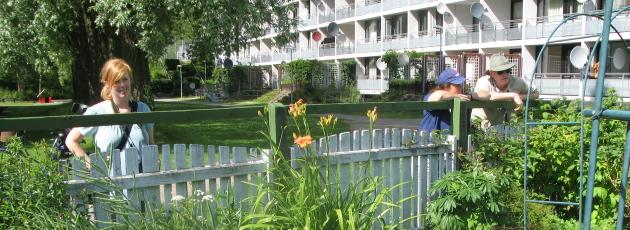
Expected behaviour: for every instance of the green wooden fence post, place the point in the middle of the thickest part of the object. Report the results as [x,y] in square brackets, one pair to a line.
[277,121]
[460,123]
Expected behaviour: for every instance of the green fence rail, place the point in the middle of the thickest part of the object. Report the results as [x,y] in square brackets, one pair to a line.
[277,116]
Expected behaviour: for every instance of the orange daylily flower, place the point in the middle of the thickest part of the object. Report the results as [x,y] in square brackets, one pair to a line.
[372,115]
[327,120]
[303,141]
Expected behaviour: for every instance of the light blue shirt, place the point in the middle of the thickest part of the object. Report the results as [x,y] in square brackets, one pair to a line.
[107,138]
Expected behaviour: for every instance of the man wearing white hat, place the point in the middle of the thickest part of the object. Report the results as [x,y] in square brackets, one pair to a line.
[499,86]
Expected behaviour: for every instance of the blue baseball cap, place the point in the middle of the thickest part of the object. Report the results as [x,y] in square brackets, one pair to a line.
[450,76]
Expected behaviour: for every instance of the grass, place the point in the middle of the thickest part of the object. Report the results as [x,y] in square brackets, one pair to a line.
[228,132]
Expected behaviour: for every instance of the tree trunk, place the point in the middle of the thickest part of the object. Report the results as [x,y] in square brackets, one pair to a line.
[92,46]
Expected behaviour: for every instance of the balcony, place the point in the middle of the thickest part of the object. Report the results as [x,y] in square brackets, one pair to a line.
[345,48]
[372,85]
[395,41]
[568,84]
[368,7]
[311,20]
[393,4]
[265,57]
[461,35]
[416,2]
[344,12]
[326,17]
[369,45]
[308,53]
[542,27]
[502,31]
[424,39]
[327,49]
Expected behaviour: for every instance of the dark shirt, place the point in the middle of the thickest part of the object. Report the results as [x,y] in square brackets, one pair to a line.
[435,119]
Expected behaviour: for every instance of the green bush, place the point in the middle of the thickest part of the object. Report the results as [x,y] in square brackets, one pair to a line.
[9,95]
[163,87]
[298,71]
[391,58]
[32,187]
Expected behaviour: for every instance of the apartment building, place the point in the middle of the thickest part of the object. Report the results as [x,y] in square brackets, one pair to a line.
[515,28]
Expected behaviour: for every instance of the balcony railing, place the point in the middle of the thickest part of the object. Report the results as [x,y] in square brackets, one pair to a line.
[415,2]
[368,6]
[265,57]
[327,49]
[308,53]
[462,35]
[568,84]
[395,41]
[311,20]
[345,48]
[326,17]
[369,45]
[424,39]
[372,85]
[502,31]
[345,12]
[393,4]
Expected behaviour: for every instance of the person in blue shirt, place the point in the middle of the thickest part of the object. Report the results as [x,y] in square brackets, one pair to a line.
[449,85]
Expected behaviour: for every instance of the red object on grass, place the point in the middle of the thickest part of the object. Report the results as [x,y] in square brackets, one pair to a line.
[41,100]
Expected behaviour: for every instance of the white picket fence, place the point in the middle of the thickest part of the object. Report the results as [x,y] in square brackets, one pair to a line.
[399,157]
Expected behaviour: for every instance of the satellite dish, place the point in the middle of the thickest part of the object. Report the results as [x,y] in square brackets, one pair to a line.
[317,36]
[403,59]
[380,64]
[441,8]
[619,58]
[333,29]
[228,63]
[476,10]
[578,57]
[581,1]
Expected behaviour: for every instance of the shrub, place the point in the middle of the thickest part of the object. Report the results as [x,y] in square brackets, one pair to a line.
[32,187]
[391,58]
[298,72]
[163,87]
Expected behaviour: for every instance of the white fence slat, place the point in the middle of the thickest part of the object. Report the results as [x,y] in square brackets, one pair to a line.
[129,163]
[387,138]
[394,180]
[212,183]
[166,165]
[256,177]
[149,165]
[377,165]
[240,187]
[224,182]
[345,145]
[407,179]
[365,139]
[197,160]
[333,143]
[356,140]
[99,169]
[181,189]
[396,137]
[323,148]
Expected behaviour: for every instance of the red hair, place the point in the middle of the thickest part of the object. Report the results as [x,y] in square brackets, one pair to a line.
[111,72]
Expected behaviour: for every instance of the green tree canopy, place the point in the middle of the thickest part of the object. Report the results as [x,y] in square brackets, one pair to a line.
[71,39]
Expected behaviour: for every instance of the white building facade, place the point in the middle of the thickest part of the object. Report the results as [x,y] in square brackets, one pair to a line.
[515,28]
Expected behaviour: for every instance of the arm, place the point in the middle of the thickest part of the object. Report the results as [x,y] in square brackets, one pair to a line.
[441,95]
[481,95]
[73,141]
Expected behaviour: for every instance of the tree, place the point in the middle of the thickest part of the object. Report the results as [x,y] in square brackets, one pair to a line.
[73,38]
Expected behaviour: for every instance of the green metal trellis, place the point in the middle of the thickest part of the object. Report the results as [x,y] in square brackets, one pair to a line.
[595,115]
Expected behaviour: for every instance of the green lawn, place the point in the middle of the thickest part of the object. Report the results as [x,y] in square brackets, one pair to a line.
[228,132]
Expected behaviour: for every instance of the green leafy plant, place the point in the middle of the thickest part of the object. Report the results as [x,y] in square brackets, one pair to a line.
[391,58]
[32,187]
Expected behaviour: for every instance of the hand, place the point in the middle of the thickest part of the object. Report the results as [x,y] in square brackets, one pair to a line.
[463,97]
[519,102]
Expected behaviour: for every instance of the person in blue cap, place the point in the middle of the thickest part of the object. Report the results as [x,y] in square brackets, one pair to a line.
[449,85]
